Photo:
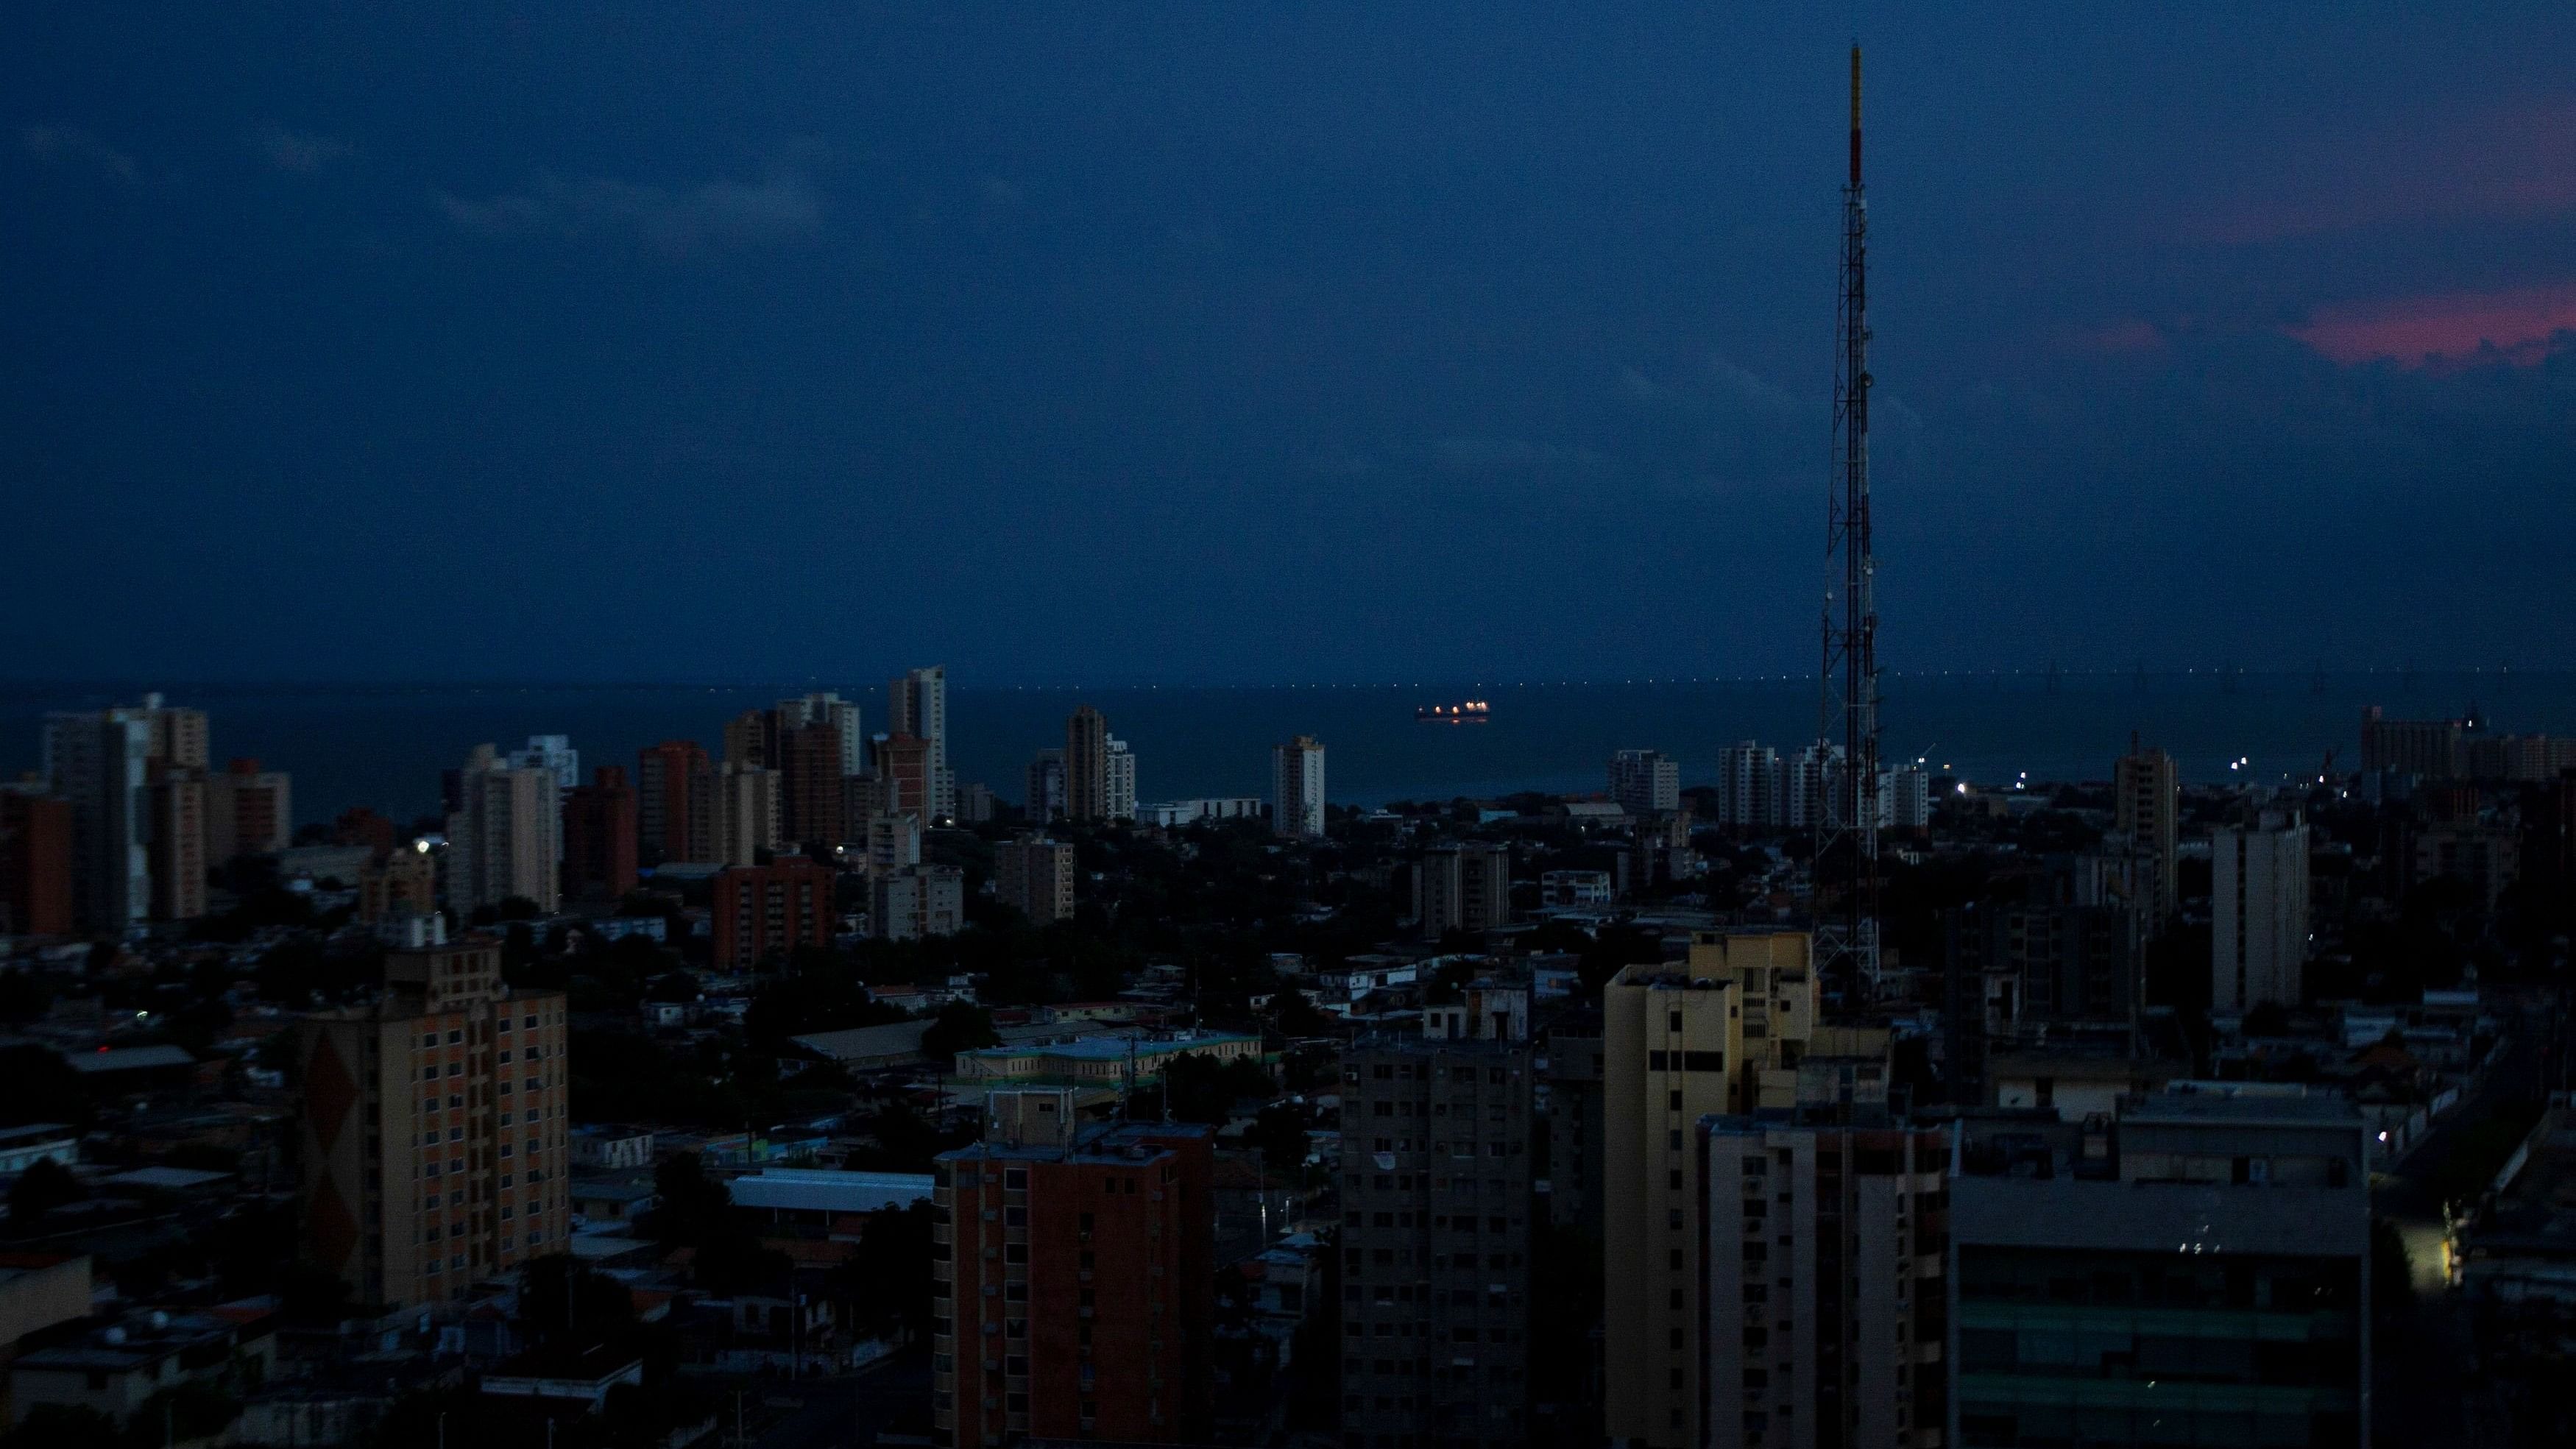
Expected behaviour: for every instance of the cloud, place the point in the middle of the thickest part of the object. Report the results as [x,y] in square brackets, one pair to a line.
[297,151]
[781,205]
[2513,326]
[72,146]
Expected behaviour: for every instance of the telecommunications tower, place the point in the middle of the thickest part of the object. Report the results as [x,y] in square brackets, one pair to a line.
[1846,820]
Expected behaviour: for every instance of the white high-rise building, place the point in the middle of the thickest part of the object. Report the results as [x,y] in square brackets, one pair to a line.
[1118,778]
[1646,782]
[1297,788]
[917,705]
[551,753]
[1904,798]
[1812,786]
[1748,787]
[2258,937]
[505,837]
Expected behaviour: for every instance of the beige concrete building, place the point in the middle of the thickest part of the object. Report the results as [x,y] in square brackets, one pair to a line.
[1034,876]
[1721,1033]
[175,840]
[433,1135]
[1825,1284]
[746,813]
[505,837]
[2146,803]
[1463,887]
[249,811]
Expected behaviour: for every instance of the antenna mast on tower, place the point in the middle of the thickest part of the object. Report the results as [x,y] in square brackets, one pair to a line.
[1846,822]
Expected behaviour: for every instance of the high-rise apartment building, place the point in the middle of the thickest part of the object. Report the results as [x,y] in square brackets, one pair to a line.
[2427,749]
[2198,1273]
[906,782]
[1046,787]
[1465,886]
[1034,876]
[553,754]
[505,837]
[35,861]
[917,705]
[1073,1279]
[1749,788]
[175,842]
[746,813]
[1905,799]
[432,1134]
[2146,813]
[1826,1295]
[916,902]
[1086,766]
[1118,782]
[812,795]
[1571,1064]
[1646,782]
[828,709]
[674,803]
[760,911]
[894,841]
[1718,1034]
[751,739]
[2258,912]
[1812,786]
[249,811]
[1436,1199]
[101,764]
[599,836]
[1297,789]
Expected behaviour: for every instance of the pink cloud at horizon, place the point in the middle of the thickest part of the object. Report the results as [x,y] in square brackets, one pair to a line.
[2516,325]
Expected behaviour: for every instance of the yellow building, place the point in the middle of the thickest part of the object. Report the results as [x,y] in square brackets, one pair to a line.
[1722,1032]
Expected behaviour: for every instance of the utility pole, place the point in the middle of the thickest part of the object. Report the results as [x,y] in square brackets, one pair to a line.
[1845,861]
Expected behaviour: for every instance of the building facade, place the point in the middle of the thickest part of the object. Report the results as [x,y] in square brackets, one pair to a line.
[505,836]
[917,901]
[1072,1280]
[2146,810]
[1645,782]
[746,813]
[1086,766]
[1465,886]
[35,861]
[1680,1041]
[2258,937]
[1827,1301]
[760,911]
[599,836]
[431,1143]
[249,811]
[1436,1198]
[1034,876]
[674,804]
[917,705]
[1297,789]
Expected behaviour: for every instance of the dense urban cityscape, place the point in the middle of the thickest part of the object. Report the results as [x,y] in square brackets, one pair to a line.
[794,1090]
[805,1079]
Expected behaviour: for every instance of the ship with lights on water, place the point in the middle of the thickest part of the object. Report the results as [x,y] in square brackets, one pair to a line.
[1472,711]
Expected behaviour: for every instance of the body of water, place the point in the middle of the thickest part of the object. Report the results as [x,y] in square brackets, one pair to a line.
[383,746]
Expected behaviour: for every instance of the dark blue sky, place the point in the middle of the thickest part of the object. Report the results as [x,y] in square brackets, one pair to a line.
[1272,341]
